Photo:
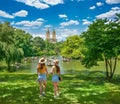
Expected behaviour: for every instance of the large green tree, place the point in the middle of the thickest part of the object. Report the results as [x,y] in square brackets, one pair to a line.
[102,40]
[73,47]
[23,40]
[8,50]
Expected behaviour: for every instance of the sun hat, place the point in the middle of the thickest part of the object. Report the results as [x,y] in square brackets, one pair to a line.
[56,61]
[42,61]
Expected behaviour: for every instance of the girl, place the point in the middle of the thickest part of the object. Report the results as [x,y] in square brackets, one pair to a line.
[55,77]
[42,72]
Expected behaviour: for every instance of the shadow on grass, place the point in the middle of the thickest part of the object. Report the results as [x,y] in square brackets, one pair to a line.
[86,87]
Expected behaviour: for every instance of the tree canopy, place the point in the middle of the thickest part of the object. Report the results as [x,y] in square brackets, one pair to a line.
[102,40]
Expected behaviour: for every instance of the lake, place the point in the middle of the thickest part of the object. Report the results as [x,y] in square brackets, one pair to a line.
[74,66]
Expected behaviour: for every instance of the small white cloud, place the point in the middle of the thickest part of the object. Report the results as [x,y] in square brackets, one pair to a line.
[5,15]
[99,3]
[71,22]
[62,16]
[53,2]
[93,7]
[86,22]
[22,13]
[34,3]
[40,19]
[29,23]
[112,1]
[115,8]
[111,14]
[48,26]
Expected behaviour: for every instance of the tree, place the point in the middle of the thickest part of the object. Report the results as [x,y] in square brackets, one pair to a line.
[102,40]
[73,47]
[23,40]
[9,51]
[38,45]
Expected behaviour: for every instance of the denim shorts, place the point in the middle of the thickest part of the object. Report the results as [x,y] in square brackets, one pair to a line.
[55,78]
[42,77]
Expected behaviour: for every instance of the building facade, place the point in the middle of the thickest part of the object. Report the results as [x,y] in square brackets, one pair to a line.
[52,39]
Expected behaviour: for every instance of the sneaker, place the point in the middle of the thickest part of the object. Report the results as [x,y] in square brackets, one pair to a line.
[44,94]
[40,96]
[55,96]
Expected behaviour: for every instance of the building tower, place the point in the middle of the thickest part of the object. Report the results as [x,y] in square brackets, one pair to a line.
[54,40]
[48,35]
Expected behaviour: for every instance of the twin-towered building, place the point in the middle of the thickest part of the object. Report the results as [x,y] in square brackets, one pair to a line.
[53,38]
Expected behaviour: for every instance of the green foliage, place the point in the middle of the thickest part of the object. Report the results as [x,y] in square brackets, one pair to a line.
[102,40]
[73,47]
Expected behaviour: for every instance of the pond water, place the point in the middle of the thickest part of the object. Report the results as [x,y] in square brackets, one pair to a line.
[73,66]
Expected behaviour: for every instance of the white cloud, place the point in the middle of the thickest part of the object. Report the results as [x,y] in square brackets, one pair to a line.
[86,22]
[5,15]
[22,13]
[62,16]
[93,7]
[29,23]
[110,14]
[112,1]
[71,22]
[34,3]
[99,3]
[41,4]
[53,2]
[40,19]
[63,33]
[48,26]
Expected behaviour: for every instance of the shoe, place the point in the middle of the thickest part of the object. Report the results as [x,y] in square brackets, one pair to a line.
[40,96]
[44,94]
[55,96]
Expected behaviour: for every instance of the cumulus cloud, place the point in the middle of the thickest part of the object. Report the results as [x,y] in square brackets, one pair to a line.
[62,16]
[48,26]
[99,3]
[30,23]
[93,7]
[40,19]
[63,33]
[112,1]
[86,22]
[41,4]
[22,13]
[111,14]
[53,2]
[34,3]
[5,15]
[71,22]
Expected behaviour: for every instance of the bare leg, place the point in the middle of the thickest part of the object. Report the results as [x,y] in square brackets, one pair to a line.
[40,87]
[44,86]
[54,84]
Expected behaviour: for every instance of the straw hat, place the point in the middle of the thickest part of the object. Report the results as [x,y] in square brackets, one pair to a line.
[42,61]
[56,61]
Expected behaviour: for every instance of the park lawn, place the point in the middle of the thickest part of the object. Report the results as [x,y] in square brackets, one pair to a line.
[81,88]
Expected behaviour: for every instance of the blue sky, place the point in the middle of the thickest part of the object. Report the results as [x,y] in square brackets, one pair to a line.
[67,17]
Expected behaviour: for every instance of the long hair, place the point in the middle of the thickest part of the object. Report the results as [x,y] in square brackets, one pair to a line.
[58,68]
[40,66]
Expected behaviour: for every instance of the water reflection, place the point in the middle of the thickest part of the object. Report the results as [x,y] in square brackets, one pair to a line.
[74,66]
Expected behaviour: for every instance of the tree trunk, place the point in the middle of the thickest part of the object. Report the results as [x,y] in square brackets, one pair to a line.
[8,66]
[110,67]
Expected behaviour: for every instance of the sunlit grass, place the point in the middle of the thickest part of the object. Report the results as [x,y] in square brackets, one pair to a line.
[75,89]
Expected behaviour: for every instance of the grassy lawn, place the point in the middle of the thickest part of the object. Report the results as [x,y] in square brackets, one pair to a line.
[81,88]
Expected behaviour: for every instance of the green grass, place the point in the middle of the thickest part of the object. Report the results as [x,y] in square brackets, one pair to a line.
[81,88]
